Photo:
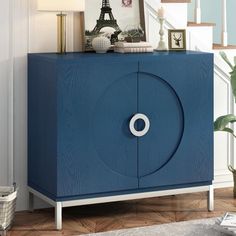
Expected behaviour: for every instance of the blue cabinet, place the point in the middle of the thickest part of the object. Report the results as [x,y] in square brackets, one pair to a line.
[80,106]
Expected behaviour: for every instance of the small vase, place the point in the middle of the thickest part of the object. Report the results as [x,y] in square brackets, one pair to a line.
[101,44]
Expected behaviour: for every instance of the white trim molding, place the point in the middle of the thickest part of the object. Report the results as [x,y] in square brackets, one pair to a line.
[125,197]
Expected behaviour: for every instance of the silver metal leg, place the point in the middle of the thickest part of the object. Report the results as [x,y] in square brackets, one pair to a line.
[31,202]
[58,215]
[211,198]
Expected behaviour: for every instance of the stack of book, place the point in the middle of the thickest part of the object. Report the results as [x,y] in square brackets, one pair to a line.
[227,223]
[125,47]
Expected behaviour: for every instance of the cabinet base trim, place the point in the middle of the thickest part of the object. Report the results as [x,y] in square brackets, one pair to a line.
[81,202]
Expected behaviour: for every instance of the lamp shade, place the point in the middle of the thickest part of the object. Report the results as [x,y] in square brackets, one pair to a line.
[61,5]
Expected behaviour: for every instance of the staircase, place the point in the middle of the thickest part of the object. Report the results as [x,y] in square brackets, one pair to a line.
[200,38]
[197,22]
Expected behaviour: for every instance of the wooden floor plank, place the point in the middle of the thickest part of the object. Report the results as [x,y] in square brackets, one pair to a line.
[220,47]
[120,215]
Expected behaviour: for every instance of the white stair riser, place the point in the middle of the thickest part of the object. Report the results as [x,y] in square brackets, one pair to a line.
[230,54]
[200,34]
[172,11]
[177,14]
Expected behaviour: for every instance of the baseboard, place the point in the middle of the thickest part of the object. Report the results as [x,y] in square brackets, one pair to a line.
[223,180]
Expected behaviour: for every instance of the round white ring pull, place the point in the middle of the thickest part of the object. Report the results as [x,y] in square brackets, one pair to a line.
[146,121]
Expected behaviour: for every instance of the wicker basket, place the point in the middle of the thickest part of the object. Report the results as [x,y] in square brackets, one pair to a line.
[7,207]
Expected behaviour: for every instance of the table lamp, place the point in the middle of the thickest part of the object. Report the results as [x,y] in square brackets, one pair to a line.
[61,6]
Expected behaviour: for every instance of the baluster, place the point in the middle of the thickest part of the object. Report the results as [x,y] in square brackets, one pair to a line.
[198,11]
[224,36]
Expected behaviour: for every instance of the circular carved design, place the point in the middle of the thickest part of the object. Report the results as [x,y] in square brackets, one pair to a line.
[114,137]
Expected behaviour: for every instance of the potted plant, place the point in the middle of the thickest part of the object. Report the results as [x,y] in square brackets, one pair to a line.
[222,122]
[133,33]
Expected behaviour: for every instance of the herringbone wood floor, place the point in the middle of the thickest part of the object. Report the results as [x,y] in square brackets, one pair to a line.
[112,216]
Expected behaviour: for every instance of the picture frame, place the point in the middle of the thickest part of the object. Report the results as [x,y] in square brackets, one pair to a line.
[177,39]
[118,19]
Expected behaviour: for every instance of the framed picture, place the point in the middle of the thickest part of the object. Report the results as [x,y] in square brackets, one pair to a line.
[126,3]
[112,18]
[177,39]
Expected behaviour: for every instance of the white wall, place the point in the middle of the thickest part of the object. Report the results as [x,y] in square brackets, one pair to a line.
[15,42]
[21,47]
[13,47]
[5,68]
[43,30]
[22,30]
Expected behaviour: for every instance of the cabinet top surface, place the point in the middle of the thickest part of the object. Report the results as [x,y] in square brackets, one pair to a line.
[111,55]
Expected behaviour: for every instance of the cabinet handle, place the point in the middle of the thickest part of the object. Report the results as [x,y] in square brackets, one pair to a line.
[146,121]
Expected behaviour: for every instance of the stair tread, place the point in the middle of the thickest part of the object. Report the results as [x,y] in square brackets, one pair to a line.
[219,46]
[175,1]
[201,24]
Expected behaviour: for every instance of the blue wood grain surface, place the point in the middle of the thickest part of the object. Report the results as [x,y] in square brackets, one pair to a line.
[79,108]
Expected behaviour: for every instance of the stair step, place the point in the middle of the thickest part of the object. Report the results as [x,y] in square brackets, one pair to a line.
[220,47]
[175,1]
[201,24]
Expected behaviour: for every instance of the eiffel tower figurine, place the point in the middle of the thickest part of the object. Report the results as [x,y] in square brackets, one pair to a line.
[102,22]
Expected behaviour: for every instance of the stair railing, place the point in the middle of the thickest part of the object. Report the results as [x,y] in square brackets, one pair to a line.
[224,34]
[198,17]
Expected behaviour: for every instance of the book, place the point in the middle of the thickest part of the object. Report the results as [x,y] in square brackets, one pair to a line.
[132,45]
[229,220]
[224,229]
[133,50]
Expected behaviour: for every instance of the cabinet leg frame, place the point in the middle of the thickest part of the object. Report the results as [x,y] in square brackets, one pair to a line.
[124,197]
[57,205]
[58,215]
[211,198]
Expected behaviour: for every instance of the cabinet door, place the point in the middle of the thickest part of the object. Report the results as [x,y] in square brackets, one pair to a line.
[175,93]
[97,153]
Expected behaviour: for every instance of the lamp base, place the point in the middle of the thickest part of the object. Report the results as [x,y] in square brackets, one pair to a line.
[161,44]
[61,33]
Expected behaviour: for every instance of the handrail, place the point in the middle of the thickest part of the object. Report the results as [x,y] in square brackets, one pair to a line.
[224,24]
[198,16]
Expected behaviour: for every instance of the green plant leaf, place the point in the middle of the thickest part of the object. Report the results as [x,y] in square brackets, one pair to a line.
[233,82]
[224,56]
[230,167]
[222,122]
[228,130]
[232,73]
